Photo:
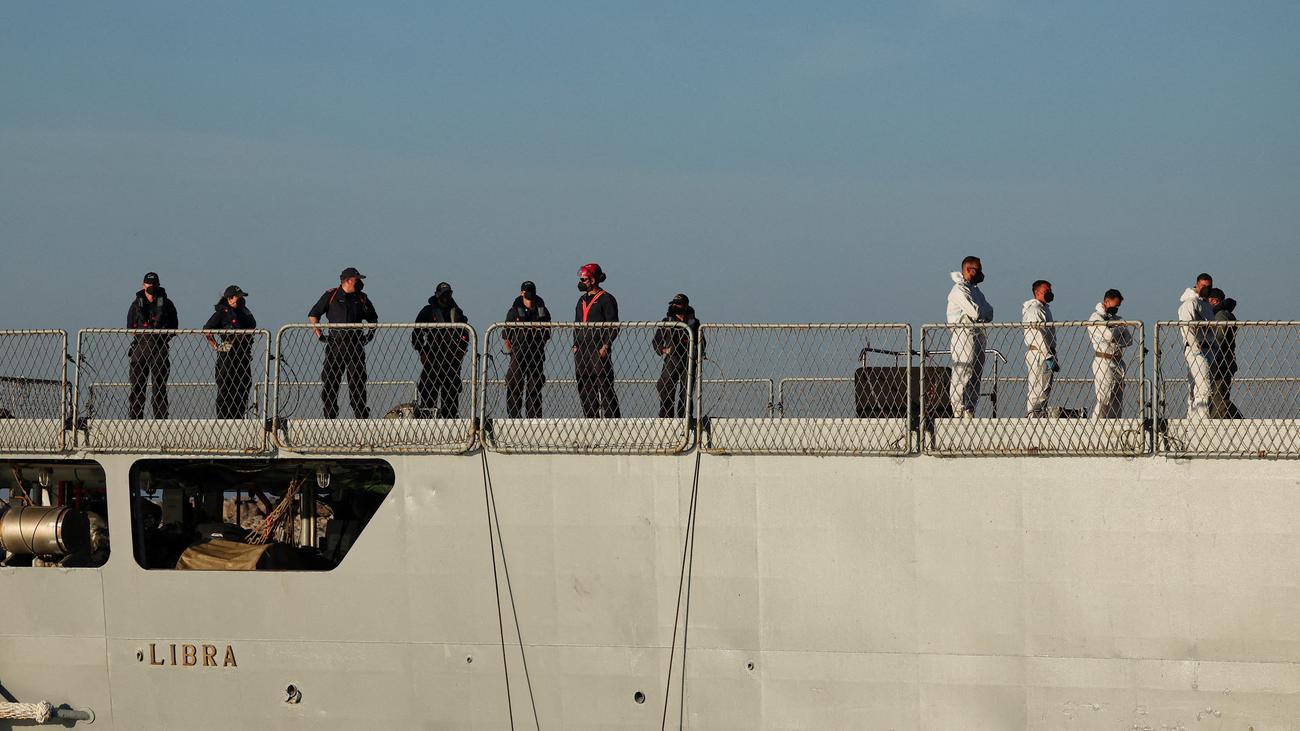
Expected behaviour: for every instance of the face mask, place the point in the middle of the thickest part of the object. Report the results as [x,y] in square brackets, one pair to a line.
[1049,297]
[583,286]
[444,299]
[1112,311]
[979,277]
[360,285]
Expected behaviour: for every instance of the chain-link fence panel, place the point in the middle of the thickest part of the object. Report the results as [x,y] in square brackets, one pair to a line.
[182,391]
[1228,389]
[35,398]
[1048,389]
[587,388]
[376,389]
[841,389]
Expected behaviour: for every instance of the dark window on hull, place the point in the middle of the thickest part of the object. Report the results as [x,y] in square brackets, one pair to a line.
[253,515]
[53,513]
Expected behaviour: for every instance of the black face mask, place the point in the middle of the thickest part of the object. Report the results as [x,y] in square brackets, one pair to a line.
[979,277]
[444,299]
[583,286]
[675,310]
[1049,297]
[1112,311]
[360,285]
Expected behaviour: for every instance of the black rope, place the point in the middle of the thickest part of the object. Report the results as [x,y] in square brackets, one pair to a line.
[505,569]
[496,585]
[683,581]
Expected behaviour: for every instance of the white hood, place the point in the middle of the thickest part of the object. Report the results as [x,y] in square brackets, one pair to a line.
[1034,306]
[1189,294]
[957,278]
[1100,309]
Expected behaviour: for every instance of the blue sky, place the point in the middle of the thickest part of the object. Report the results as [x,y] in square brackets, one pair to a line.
[778,162]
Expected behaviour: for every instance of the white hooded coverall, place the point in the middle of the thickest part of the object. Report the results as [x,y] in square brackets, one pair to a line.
[966,304]
[1040,344]
[1196,346]
[1108,343]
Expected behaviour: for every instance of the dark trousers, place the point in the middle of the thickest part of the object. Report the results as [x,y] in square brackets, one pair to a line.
[344,353]
[234,378]
[1221,406]
[439,386]
[595,376]
[524,380]
[672,386]
[150,362]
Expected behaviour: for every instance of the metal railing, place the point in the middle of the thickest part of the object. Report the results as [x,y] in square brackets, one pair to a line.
[626,387]
[855,383]
[35,399]
[1228,388]
[1063,388]
[149,415]
[184,397]
[317,377]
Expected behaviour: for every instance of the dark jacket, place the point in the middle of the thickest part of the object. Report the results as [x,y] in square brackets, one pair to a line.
[342,308]
[602,308]
[527,337]
[225,317]
[157,315]
[441,340]
[676,339]
[1225,339]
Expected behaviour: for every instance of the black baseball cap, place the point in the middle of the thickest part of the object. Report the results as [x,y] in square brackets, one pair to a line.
[234,291]
[351,272]
[151,278]
[528,287]
[442,287]
[680,299]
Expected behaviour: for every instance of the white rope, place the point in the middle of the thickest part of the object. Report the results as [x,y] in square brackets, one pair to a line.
[38,712]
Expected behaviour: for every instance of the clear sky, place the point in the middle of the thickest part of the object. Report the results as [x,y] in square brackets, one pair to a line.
[776,161]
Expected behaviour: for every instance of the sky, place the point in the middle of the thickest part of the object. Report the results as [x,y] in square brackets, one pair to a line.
[778,162]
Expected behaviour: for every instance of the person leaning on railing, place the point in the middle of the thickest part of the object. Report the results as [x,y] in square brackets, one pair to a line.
[345,349]
[674,345]
[527,348]
[1223,361]
[1108,343]
[442,351]
[1040,348]
[234,368]
[593,357]
[150,355]
[1193,308]
[966,304]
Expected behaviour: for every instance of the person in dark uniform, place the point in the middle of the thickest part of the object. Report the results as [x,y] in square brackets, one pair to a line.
[527,348]
[674,346]
[593,359]
[234,371]
[1223,363]
[345,349]
[150,355]
[441,350]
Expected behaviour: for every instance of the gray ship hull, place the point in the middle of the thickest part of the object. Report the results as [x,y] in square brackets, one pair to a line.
[826,592]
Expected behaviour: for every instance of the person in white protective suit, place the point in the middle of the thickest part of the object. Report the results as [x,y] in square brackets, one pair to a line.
[966,304]
[1040,349]
[1108,343]
[1197,346]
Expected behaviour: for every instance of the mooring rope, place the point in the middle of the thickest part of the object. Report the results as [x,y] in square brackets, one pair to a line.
[38,712]
[494,524]
[683,583]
